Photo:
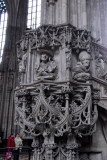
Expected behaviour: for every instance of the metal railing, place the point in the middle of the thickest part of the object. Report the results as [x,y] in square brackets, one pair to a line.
[16,152]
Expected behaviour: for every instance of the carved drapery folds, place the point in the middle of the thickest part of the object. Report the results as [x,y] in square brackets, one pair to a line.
[100,67]
[81,70]
[47,66]
[54,102]
[100,61]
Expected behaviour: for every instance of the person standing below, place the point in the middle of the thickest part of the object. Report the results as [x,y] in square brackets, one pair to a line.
[18,145]
[10,147]
[10,143]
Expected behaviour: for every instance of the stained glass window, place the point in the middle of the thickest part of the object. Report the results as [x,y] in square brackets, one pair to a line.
[34,13]
[3,25]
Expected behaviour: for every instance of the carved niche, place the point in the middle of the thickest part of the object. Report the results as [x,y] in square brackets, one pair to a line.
[46,69]
[82,69]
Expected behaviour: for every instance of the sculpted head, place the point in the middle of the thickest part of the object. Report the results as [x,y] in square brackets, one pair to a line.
[84,58]
[44,57]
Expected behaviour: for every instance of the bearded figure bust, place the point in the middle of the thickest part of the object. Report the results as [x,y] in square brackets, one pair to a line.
[82,69]
[47,67]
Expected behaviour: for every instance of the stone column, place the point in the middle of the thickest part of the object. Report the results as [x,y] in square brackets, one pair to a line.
[58,13]
[73,12]
[51,13]
[43,12]
[64,11]
[79,13]
[17,13]
[82,16]
[94,20]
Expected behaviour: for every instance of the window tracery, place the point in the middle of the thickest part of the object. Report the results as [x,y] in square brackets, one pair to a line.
[34,12]
[3,25]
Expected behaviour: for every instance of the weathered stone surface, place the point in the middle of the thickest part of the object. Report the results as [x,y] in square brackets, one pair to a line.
[60,88]
[57,104]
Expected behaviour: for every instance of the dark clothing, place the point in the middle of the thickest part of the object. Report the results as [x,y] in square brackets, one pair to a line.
[16,154]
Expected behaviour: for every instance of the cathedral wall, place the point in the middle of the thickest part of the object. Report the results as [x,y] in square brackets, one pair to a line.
[97,149]
[88,14]
[17,11]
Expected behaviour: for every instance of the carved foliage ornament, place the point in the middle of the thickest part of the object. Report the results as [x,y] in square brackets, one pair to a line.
[54,36]
[81,40]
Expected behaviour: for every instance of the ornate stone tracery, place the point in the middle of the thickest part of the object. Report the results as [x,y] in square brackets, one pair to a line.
[56,103]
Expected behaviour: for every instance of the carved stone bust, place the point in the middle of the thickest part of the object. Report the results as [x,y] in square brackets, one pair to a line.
[100,67]
[22,63]
[47,66]
[82,69]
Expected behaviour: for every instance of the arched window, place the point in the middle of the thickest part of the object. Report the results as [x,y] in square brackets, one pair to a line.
[34,13]
[3,25]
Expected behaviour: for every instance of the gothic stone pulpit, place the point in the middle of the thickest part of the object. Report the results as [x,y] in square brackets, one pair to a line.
[61,83]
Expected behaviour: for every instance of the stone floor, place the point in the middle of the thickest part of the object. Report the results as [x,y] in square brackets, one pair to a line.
[25,157]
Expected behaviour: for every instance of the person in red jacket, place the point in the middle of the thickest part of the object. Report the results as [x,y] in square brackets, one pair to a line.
[10,143]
